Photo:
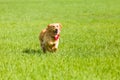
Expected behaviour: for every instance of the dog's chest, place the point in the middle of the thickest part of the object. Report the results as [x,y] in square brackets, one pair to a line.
[53,43]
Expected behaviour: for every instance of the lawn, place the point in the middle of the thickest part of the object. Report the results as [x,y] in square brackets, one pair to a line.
[89,46]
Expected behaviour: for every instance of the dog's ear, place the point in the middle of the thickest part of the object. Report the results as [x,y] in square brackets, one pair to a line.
[48,25]
[60,25]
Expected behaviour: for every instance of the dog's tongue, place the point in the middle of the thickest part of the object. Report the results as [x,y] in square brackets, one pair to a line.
[57,37]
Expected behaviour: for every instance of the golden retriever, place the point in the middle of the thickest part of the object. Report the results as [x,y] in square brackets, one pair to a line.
[49,37]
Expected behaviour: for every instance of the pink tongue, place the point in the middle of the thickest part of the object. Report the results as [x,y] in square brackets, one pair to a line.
[56,37]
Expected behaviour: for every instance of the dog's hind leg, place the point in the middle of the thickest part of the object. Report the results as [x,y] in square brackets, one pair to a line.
[43,48]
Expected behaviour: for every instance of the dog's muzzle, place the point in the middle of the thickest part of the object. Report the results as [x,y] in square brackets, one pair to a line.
[56,31]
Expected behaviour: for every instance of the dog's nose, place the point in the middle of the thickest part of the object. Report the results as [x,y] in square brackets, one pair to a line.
[56,30]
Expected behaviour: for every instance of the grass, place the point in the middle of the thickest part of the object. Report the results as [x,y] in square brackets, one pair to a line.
[89,45]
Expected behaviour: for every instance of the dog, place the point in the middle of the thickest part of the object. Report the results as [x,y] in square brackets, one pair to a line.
[49,37]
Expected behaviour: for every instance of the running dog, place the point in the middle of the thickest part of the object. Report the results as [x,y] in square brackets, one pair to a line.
[49,37]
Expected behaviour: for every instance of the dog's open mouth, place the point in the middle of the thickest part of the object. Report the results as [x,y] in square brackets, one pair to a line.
[56,31]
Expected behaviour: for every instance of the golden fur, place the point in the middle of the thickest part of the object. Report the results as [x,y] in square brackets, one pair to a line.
[49,37]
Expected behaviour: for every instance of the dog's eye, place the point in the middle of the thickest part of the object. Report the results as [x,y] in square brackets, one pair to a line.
[53,26]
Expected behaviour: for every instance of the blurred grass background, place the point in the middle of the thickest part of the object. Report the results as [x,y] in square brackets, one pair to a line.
[89,45]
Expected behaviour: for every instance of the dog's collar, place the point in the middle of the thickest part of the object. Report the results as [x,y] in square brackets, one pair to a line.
[56,37]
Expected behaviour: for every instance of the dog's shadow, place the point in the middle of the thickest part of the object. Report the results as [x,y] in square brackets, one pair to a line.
[32,51]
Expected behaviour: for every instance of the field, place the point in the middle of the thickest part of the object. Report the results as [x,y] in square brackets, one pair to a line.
[89,46]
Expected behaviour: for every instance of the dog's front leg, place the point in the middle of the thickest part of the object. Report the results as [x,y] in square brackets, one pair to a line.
[55,46]
[52,46]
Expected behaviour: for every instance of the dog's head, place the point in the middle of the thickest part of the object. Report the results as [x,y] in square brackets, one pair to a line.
[54,28]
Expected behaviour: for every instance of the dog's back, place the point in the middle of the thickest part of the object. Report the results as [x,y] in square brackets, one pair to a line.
[42,34]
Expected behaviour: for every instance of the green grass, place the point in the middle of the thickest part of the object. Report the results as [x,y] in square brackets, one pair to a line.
[89,46]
